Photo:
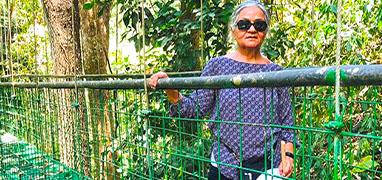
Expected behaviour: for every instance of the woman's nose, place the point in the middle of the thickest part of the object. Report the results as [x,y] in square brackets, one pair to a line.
[252,29]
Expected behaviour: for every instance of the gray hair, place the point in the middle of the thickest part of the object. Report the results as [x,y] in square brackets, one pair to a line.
[249,3]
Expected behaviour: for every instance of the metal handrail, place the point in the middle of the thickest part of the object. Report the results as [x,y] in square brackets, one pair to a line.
[351,75]
[98,76]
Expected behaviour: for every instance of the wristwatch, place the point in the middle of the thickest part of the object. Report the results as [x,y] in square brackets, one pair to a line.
[289,154]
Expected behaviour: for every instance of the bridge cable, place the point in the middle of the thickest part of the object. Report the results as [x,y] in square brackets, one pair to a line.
[18,64]
[203,63]
[9,39]
[337,140]
[143,61]
[2,40]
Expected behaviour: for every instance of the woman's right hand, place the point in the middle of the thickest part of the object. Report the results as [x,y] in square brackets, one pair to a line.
[155,77]
[172,94]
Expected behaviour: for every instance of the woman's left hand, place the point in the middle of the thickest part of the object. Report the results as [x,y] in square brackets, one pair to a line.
[286,167]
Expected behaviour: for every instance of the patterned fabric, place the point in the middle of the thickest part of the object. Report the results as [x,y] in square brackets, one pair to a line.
[241,105]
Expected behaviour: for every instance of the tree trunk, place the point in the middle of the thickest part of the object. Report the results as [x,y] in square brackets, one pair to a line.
[63,22]
[191,60]
[95,38]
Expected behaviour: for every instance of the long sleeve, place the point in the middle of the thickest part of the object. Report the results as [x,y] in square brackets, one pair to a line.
[200,102]
[285,114]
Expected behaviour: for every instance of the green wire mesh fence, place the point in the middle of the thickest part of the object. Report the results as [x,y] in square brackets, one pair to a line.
[108,130]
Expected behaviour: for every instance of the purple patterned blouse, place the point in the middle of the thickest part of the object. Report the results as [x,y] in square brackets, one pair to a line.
[224,105]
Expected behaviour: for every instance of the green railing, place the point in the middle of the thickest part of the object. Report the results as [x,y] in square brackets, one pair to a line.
[113,129]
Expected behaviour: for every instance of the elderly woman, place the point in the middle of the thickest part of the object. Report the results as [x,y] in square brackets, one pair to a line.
[250,24]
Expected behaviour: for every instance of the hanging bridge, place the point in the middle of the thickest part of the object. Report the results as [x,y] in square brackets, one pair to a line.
[113,127]
[114,130]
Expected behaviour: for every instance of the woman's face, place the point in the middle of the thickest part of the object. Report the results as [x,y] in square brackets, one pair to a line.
[250,38]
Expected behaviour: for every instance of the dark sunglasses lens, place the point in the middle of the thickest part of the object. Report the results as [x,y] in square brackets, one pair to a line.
[243,25]
[260,26]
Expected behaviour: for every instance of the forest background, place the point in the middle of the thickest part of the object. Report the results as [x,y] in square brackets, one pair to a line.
[74,37]
[184,35]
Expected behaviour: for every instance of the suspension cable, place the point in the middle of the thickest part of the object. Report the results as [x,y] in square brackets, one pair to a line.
[202,35]
[2,41]
[77,57]
[5,17]
[116,35]
[10,63]
[143,57]
[338,119]
[143,60]
[34,36]
[338,58]
[17,59]
[312,28]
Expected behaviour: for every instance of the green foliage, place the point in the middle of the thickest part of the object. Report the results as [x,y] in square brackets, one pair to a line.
[303,33]
[277,44]
[29,40]
[175,27]
[88,5]
[364,164]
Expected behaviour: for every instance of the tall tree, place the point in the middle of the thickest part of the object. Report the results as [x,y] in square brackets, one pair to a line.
[62,17]
[95,43]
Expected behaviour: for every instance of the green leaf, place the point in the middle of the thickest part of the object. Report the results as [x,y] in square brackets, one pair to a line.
[180,171]
[365,163]
[348,47]
[88,5]
[380,25]
[333,8]
[273,54]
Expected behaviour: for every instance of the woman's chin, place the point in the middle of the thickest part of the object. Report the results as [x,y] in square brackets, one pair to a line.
[252,46]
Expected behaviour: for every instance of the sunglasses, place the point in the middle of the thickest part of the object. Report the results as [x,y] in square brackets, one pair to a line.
[259,25]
